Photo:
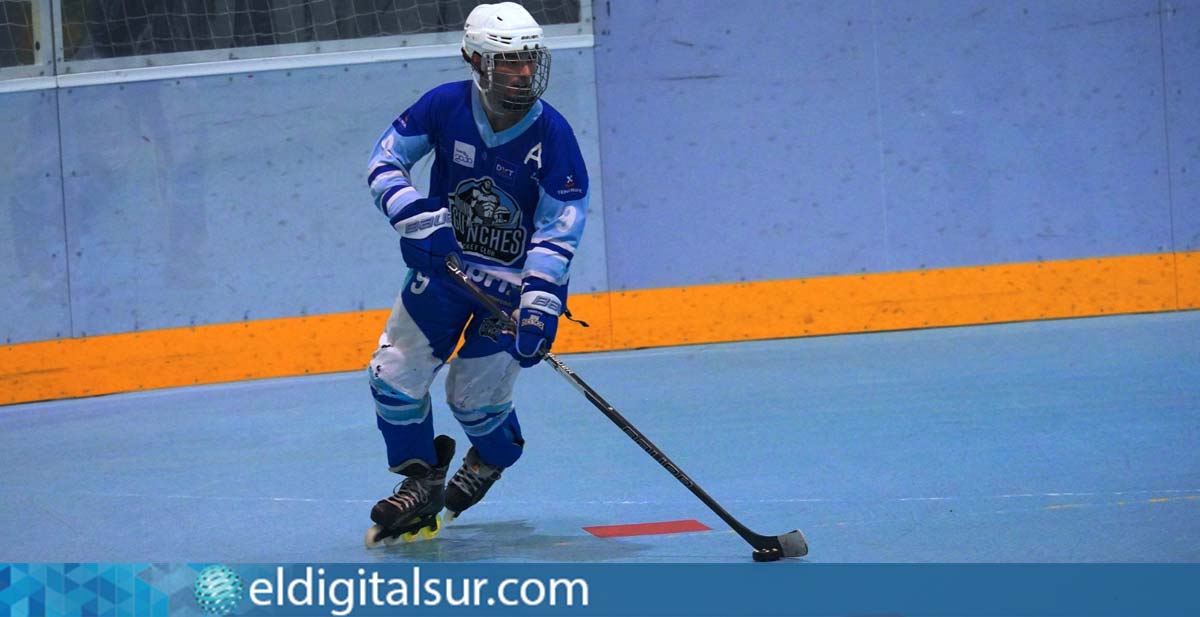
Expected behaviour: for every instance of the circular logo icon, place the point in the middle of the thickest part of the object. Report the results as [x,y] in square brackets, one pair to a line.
[218,590]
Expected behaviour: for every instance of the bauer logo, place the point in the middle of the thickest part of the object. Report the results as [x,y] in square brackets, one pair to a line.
[218,590]
[547,302]
[425,222]
[464,154]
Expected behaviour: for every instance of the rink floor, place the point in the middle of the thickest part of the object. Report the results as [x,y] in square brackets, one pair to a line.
[1061,441]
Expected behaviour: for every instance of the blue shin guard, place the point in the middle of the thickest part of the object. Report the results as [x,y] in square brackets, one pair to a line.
[502,444]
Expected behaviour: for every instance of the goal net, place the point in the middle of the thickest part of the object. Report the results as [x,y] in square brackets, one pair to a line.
[16,34]
[120,28]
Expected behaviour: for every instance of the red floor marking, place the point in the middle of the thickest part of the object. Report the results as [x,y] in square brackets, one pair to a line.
[646,529]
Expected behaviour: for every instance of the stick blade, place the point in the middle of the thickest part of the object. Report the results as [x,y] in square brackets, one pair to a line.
[793,544]
[773,548]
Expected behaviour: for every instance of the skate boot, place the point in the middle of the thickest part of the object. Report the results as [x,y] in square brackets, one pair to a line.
[469,484]
[412,510]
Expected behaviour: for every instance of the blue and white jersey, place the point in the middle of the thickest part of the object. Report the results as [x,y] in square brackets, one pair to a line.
[517,199]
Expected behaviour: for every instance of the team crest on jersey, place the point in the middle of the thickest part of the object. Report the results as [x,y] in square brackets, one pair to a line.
[487,221]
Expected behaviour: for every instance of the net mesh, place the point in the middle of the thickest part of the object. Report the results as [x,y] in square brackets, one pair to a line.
[16,33]
[119,28]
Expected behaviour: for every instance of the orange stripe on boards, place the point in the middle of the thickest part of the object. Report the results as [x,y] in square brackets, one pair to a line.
[185,356]
[126,362]
[620,320]
[1188,266]
[893,301]
[596,310]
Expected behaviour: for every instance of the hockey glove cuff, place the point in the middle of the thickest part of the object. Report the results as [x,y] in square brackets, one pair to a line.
[537,324]
[426,236]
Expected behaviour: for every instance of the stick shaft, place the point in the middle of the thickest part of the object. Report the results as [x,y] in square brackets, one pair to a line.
[640,439]
[756,540]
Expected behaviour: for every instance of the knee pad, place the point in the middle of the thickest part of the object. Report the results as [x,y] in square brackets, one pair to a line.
[478,383]
[400,390]
[479,391]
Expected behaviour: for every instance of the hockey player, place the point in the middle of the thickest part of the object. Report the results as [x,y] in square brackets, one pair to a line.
[508,196]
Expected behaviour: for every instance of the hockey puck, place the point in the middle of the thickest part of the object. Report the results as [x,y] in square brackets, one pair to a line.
[767,554]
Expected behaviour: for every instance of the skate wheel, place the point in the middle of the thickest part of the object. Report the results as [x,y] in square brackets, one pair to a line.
[449,517]
[430,533]
[391,540]
[371,539]
[409,536]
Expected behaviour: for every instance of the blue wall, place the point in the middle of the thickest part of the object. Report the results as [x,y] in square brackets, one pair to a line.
[802,139]
[34,304]
[739,142]
[221,199]
[1181,50]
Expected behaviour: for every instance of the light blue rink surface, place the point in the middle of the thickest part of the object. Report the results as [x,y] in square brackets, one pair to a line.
[1061,441]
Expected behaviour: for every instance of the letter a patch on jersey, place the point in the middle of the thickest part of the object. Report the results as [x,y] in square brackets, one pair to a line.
[535,154]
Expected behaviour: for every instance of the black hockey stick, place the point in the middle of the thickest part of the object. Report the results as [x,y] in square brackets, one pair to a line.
[766,548]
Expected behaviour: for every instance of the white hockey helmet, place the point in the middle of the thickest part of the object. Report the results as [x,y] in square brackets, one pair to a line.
[513,68]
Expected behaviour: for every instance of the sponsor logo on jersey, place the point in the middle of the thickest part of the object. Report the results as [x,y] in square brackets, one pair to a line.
[487,221]
[505,170]
[487,281]
[569,187]
[464,154]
